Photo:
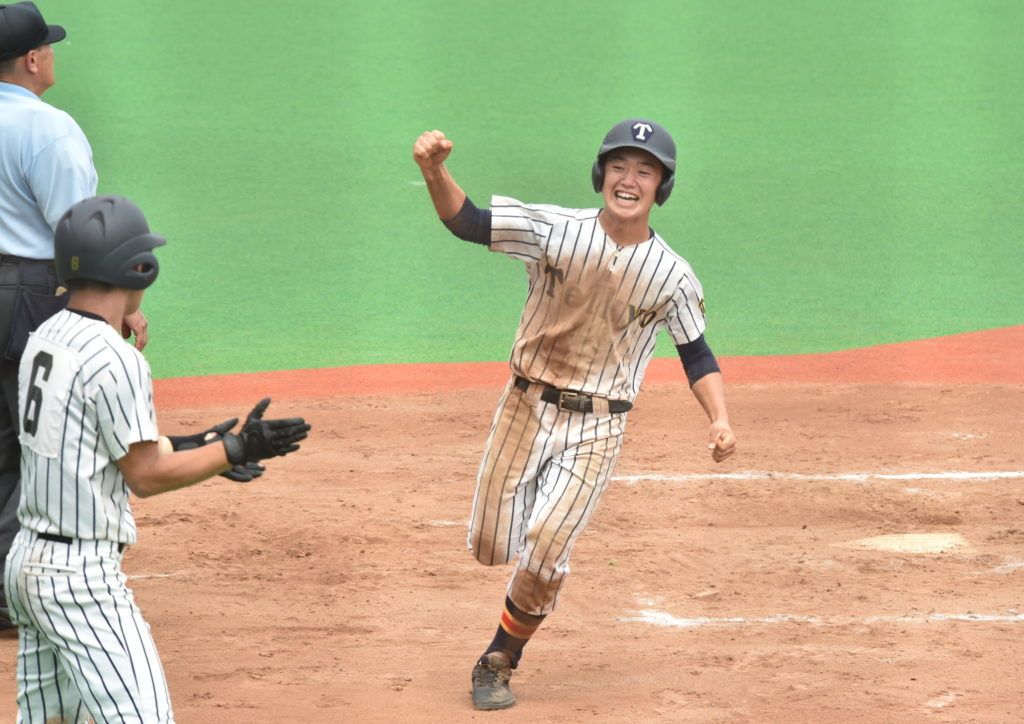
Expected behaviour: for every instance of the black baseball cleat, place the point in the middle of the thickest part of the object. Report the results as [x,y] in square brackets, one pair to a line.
[490,683]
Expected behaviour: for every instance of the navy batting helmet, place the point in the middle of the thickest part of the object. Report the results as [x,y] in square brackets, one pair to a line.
[651,137]
[106,239]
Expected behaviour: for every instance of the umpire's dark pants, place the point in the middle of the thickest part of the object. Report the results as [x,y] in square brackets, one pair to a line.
[39,277]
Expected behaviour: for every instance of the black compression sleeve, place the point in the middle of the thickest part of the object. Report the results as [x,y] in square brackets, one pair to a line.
[471,224]
[698,359]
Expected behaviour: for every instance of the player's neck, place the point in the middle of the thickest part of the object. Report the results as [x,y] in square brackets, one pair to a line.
[110,304]
[625,232]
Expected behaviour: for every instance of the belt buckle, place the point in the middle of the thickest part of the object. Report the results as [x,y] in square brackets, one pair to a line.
[567,396]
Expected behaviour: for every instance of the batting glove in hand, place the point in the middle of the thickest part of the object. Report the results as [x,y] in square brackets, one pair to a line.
[248,471]
[259,439]
[243,473]
[257,412]
[238,473]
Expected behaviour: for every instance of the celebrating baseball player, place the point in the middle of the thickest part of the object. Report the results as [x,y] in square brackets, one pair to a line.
[89,438]
[601,285]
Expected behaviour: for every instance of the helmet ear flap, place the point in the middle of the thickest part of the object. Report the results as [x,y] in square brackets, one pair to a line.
[597,175]
[664,189]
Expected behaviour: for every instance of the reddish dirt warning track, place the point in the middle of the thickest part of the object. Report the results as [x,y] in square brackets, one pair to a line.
[992,356]
[859,560]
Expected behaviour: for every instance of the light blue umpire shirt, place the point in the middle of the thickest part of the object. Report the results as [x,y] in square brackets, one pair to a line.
[45,168]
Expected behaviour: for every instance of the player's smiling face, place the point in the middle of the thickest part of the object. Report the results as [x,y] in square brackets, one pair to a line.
[631,179]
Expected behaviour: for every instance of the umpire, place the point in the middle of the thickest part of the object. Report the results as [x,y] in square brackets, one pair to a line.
[45,167]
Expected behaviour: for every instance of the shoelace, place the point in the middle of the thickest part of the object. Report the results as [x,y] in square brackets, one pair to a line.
[489,675]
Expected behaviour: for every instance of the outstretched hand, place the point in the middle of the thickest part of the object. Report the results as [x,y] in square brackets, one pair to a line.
[238,473]
[259,439]
[245,473]
[248,471]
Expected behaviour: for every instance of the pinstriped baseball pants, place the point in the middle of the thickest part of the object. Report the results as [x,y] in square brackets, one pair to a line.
[84,648]
[542,475]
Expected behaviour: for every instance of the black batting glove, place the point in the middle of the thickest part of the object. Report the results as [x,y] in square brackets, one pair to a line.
[243,473]
[247,472]
[239,473]
[257,412]
[260,439]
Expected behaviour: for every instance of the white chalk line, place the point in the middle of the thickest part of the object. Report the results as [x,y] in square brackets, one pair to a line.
[1008,567]
[665,619]
[847,477]
[153,575]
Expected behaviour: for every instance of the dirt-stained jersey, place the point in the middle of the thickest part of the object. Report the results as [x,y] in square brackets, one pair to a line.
[84,397]
[593,308]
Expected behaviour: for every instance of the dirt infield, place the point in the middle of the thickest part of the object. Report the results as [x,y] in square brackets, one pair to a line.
[861,559]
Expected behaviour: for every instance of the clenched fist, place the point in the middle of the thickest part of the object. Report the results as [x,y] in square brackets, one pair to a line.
[431,149]
[723,442]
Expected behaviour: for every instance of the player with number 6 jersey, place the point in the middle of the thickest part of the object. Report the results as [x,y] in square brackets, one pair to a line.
[89,438]
[602,284]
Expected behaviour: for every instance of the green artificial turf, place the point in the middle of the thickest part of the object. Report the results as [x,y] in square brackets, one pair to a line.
[849,172]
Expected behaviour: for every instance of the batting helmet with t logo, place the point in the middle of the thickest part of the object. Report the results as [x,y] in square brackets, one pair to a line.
[644,134]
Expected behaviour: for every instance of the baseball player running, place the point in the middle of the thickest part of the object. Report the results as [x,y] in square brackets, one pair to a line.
[89,438]
[601,285]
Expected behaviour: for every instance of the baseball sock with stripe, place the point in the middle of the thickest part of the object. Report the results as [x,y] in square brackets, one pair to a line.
[513,632]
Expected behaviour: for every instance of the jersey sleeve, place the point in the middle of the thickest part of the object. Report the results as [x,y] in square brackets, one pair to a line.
[124,404]
[519,230]
[685,319]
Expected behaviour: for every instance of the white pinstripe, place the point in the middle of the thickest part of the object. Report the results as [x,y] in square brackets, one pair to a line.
[542,475]
[96,402]
[589,324]
[85,396]
[84,648]
[593,308]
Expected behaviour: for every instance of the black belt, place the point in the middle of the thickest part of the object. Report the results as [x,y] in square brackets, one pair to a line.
[12,259]
[572,401]
[68,541]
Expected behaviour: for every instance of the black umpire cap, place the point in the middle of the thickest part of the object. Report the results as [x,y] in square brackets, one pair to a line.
[22,29]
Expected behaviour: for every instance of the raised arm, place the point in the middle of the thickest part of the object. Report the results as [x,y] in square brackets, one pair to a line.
[430,151]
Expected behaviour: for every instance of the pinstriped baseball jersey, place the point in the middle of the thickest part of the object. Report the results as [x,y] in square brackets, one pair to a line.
[85,396]
[594,308]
